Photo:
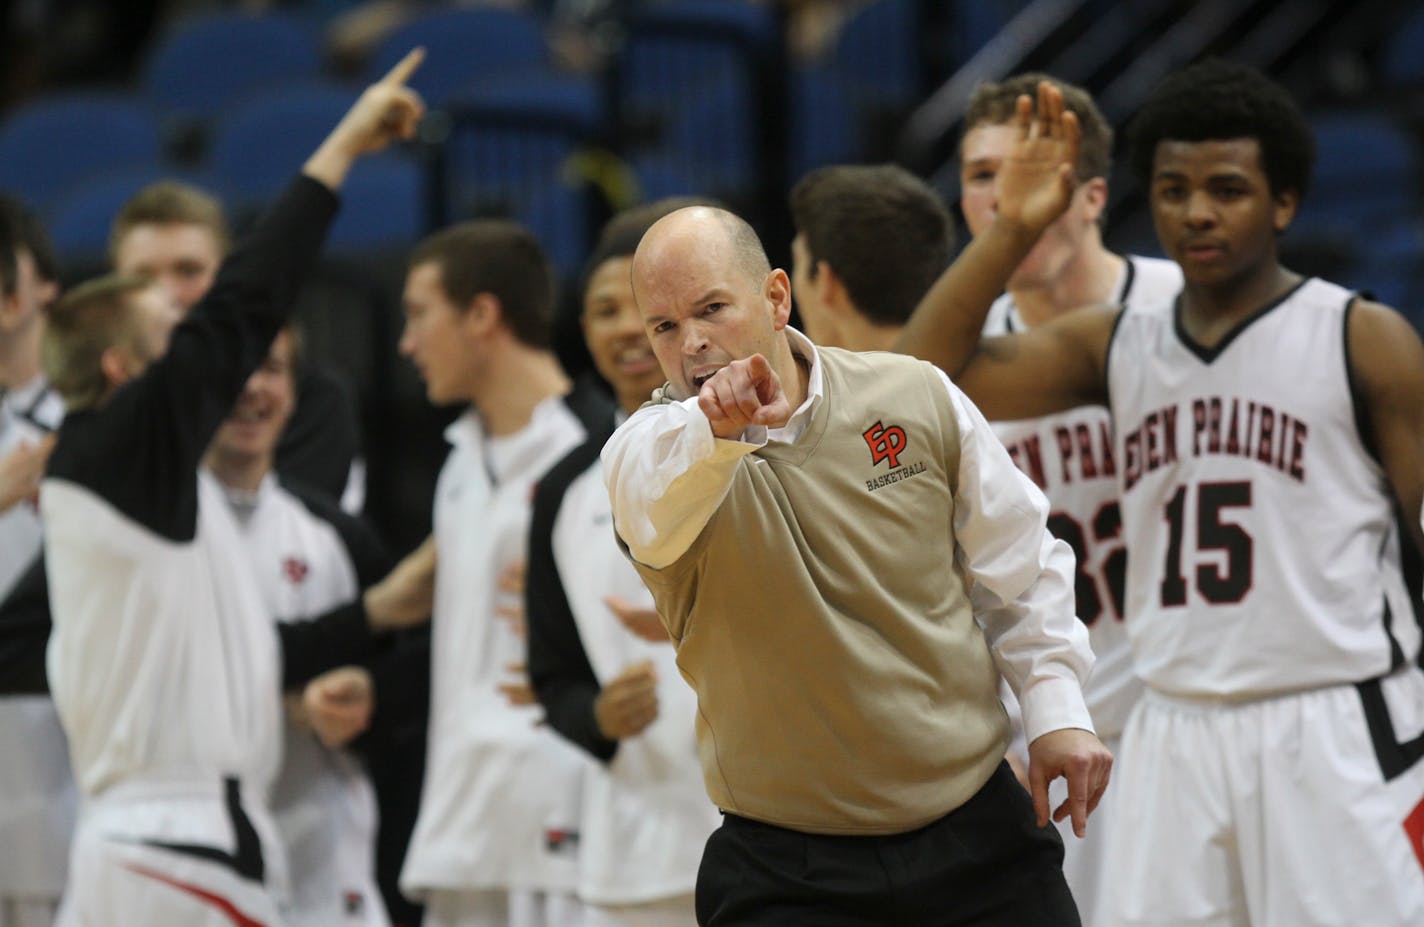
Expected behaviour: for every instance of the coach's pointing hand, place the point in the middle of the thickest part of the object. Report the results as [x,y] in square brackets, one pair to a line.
[745,392]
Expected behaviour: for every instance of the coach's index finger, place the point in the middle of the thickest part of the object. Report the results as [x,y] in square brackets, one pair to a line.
[398,75]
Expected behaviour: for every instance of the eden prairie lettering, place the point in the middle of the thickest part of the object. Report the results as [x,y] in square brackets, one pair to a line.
[1232,427]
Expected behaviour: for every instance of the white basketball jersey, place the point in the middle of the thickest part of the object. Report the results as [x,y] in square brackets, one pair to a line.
[323,801]
[39,800]
[1264,548]
[646,814]
[500,805]
[1070,456]
[162,661]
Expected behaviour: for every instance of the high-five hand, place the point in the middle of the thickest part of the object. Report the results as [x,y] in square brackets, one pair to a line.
[745,392]
[386,111]
[1035,182]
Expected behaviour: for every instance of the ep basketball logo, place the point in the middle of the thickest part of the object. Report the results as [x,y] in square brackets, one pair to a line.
[885,443]
[295,569]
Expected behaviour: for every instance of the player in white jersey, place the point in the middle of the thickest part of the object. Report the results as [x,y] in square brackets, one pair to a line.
[308,558]
[1069,454]
[496,840]
[162,661]
[610,692]
[38,805]
[1267,431]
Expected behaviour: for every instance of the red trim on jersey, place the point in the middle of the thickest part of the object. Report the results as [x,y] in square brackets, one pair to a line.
[1414,827]
[222,904]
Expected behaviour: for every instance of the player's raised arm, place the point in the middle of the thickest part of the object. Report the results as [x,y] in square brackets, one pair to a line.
[386,111]
[1018,376]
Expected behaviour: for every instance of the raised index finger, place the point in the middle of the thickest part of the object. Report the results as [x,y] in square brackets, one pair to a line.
[398,75]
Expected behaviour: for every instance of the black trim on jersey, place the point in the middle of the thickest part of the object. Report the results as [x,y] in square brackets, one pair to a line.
[24,632]
[322,439]
[1394,757]
[1411,568]
[1127,280]
[592,406]
[1396,652]
[559,668]
[1357,397]
[31,412]
[1208,355]
[141,450]
[246,860]
[1107,360]
[367,552]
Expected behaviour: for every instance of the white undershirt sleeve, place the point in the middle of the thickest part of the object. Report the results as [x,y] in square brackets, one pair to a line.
[1021,579]
[666,475]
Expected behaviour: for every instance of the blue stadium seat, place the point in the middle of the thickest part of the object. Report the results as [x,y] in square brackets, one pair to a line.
[823,121]
[1367,171]
[383,207]
[53,143]
[79,221]
[688,79]
[258,145]
[1402,59]
[207,63]
[1390,267]
[463,44]
[877,53]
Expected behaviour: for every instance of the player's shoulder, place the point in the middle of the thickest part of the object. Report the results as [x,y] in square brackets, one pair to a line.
[1153,279]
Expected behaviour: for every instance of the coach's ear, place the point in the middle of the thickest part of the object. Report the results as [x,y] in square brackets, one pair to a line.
[776,290]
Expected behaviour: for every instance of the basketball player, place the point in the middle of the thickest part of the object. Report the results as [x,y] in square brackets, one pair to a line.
[1273,762]
[870,240]
[176,234]
[38,808]
[496,840]
[1069,454]
[616,696]
[162,662]
[308,558]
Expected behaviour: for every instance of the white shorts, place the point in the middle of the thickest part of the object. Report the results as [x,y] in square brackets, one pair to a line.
[216,868]
[113,885]
[671,912]
[517,908]
[1307,809]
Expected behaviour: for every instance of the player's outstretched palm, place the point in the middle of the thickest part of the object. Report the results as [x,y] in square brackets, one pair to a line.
[1035,183]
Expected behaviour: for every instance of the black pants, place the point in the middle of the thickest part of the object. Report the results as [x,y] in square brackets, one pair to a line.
[985,864]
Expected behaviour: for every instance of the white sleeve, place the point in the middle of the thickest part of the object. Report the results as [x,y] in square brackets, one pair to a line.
[666,475]
[1021,579]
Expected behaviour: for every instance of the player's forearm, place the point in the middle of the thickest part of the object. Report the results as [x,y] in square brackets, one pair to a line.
[945,327]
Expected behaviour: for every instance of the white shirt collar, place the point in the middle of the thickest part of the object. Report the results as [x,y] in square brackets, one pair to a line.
[801,346]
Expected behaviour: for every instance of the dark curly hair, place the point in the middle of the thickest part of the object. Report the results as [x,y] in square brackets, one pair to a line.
[1217,100]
